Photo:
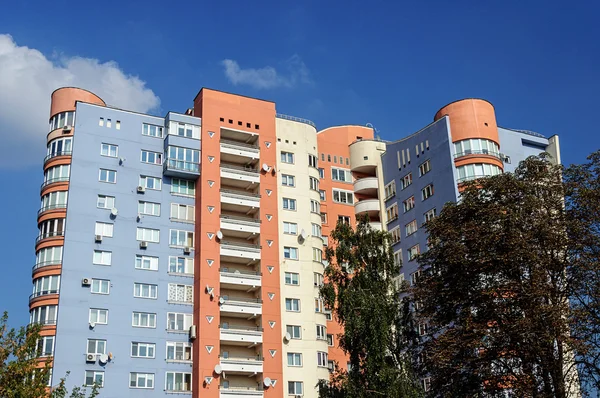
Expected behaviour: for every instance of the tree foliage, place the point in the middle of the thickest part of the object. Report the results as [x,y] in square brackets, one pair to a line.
[361,292]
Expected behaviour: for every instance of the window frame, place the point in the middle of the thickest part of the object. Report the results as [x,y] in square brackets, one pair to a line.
[108,174]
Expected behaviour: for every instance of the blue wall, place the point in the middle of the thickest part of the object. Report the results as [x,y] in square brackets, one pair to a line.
[519,146]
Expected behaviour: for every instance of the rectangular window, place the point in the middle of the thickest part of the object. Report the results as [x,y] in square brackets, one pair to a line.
[152,130]
[287,157]
[104,229]
[177,321]
[324,218]
[312,160]
[180,238]
[414,277]
[101,122]
[392,212]
[317,254]
[145,290]
[321,359]
[151,157]
[316,230]
[98,316]
[185,159]
[94,377]
[109,176]
[185,213]
[290,252]
[408,204]
[344,219]
[406,180]
[321,332]
[109,150]
[149,208]
[292,278]
[330,340]
[148,235]
[424,168]
[289,204]
[292,304]
[295,331]
[141,380]
[179,351]
[413,252]
[315,206]
[345,197]
[95,346]
[426,382]
[322,195]
[427,192]
[105,202]
[108,123]
[429,215]
[143,320]
[179,293]
[319,307]
[178,381]
[314,183]
[295,388]
[143,350]
[146,262]
[100,286]
[118,125]
[45,345]
[184,130]
[342,175]
[149,182]
[288,180]
[317,279]
[422,329]
[390,190]
[294,359]
[181,265]
[321,173]
[102,257]
[290,228]
[395,235]
[398,258]
[411,227]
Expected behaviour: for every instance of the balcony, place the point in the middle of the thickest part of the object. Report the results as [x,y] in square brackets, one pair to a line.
[242,365]
[56,154]
[477,152]
[239,176]
[241,335]
[236,279]
[232,251]
[49,236]
[238,151]
[46,265]
[53,181]
[181,168]
[375,225]
[365,156]
[236,306]
[241,227]
[366,186]
[52,208]
[240,392]
[43,294]
[369,206]
[239,200]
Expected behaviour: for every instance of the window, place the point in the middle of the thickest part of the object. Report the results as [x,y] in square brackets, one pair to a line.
[179,351]
[57,173]
[312,161]
[184,130]
[475,146]
[413,252]
[292,304]
[324,218]
[108,123]
[149,208]
[109,150]
[289,204]
[321,332]
[292,278]
[45,346]
[287,157]
[290,228]
[411,227]
[317,254]
[424,168]
[101,122]
[408,204]
[61,120]
[145,290]
[342,175]
[315,207]
[406,180]
[94,377]
[105,202]
[143,320]
[185,213]
[96,346]
[321,359]
[146,262]
[290,252]
[54,200]
[316,230]
[392,212]
[100,286]
[98,316]
[426,382]
[143,350]
[295,331]
[398,258]
[317,279]
[53,227]
[422,329]
[152,130]
[181,293]
[109,176]
[141,380]
[319,307]
[104,229]
[330,340]
[102,257]
[344,219]
[184,159]
[288,180]
[314,183]
[390,190]
[178,321]
[414,277]
[395,235]
[183,187]
[295,388]
[294,359]
[151,157]
[148,235]
[60,146]
[427,192]
[118,125]
[45,315]
[343,197]
[429,215]
[151,182]
[49,255]
[178,381]
[321,172]
[474,171]
[181,265]
[328,315]
[179,238]
[322,195]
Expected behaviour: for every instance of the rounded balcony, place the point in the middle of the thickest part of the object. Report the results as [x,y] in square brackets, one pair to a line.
[45,266]
[368,206]
[57,154]
[375,225]
[365,156]
[43,294]
[47,237]
[53,181]
[366,186]
[51,210]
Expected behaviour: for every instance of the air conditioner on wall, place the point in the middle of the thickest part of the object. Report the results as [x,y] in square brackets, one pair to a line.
[141,189]
[90,357]
[67,129]
[86,281]
[143,244]
[98,238]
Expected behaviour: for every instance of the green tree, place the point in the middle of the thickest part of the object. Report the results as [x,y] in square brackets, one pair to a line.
[364,299]
[494,289]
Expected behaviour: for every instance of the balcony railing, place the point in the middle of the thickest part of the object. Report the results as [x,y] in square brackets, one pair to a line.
[49,235]
[245,300]
[469,178]
[57,153]
[240,194]
[52,207]
[295,119]
[477,152]
[241,328]
[234,144]
[42,293]
[46,264]
[240,169]
[256,358]
[241,274]
[182,165]
[241,220]
[53,180]
[47,322]
[241,246]
[231,390]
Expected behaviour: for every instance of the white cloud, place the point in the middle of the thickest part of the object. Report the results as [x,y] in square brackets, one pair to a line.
[268,77]
[28,77]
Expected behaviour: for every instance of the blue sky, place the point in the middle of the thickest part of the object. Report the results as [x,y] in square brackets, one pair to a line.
[393,64]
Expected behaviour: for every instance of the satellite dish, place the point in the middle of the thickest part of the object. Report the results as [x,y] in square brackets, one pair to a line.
[103,358]
[219,235]
[237,271]
[221,300]
[92,324]
[267,382]
[287,337]
[303,234]
[265,167]
[218,369]
[114,211]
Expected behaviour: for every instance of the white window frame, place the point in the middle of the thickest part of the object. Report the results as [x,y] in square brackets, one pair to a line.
[188,183]
[288,180]
[396,235]
[100,286]
[411,228]
[96,313]
[95,374]
[139,290]
[189,130]
[429,215]
[321,331]
[107,149]
[291,329]
[151,154]
[413,252]
[290,203]
[150,316]
[295,391]
[156,184]
[142,235]
[96,351]
[336,174]
[343,197]
[391,212]
[406,181]
[147,346]
[294,303]
[146,131]
[292,253]
[408,204]
[108,172]
[427,192]
[141,260]
[183,213]
[187,321]
[291,277]
[188,238]
[313,183]
[287,157]
[104,229]
[102,257]
[294,359]
[424,167]
[322,359]
[184,346]
[109,202]
[390,190]
[188,265]
[290,228]
[184,376]
[149,208]
[318,279]
[186,292]
[136,377]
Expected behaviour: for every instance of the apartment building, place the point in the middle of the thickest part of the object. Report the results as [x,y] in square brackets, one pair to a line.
[183,254]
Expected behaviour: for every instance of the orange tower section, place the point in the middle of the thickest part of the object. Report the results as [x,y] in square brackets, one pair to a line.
[333,144]
[237,310]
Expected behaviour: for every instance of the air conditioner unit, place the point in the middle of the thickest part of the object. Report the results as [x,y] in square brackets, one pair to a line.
[143,244]
[67,129]
[141,189]
[187,250]
[90,357]
[98,238]
[192,332]
[86,281]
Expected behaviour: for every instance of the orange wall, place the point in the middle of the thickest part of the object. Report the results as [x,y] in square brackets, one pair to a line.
[471,118]
[64,99]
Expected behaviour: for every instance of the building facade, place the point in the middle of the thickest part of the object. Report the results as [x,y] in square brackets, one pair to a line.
[183,254]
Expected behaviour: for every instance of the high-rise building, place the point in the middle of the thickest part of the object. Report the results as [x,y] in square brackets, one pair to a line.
[183,254]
